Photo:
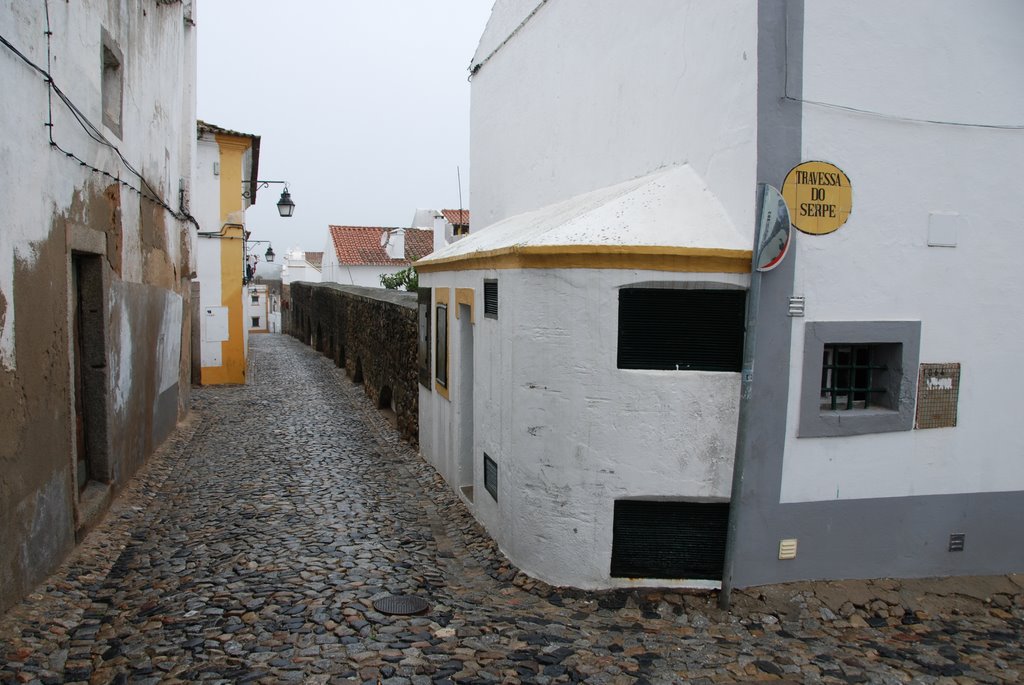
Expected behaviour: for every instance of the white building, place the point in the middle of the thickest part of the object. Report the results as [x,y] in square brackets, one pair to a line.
[258,309]
[302,266]
[360,255]
[448,225]
[582,352]
[96,253]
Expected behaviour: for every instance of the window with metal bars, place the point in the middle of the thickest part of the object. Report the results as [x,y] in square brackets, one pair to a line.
[852,377]
[858,377]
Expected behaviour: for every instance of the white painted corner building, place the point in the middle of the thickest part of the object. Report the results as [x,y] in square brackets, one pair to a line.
[581,350]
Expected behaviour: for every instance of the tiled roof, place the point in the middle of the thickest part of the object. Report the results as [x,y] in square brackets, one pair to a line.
[315,258]
[203,127]
[360,245]
[456,217]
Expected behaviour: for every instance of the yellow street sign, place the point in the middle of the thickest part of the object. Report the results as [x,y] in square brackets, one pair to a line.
[819,197]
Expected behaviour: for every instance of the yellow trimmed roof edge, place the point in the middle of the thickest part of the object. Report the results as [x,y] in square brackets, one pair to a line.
[640,257]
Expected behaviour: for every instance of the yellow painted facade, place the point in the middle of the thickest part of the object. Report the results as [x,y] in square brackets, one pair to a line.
[232,259]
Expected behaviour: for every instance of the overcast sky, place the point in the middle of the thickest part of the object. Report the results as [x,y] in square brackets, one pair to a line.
[361,105]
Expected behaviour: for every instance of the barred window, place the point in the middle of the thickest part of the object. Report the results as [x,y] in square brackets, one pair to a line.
[853,377]
[858,377]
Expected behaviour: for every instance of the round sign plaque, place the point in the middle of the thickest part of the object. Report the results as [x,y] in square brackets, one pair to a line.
[819,197]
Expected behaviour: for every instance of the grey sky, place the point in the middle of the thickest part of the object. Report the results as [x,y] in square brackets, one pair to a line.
[362,106]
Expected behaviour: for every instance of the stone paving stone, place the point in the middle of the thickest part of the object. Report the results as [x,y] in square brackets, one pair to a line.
[251,547]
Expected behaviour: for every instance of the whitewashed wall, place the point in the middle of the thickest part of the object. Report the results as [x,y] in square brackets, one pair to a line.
[366,276]
[940,61]
[37,182]
[570,432]
[583,97]
[296,268]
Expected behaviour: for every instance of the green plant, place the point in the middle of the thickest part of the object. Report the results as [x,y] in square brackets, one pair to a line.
[406,279]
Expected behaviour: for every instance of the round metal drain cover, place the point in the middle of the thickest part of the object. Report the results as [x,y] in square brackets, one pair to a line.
[405,605]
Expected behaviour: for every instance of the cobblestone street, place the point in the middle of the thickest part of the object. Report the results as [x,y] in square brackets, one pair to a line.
[251,548]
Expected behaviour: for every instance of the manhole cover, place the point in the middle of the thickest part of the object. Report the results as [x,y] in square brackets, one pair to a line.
[401,604]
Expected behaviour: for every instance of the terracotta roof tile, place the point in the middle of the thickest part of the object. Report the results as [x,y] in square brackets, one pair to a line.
[204,127]
[360,245]
[456,217]
[315,258]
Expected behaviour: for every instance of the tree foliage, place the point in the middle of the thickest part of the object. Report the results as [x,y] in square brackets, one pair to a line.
[406,279]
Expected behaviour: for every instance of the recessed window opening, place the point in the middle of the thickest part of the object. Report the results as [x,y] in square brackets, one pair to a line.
[491,476]
[255,322]
[255,299]
[857,376]
[441,344]
[681,330]
[490,299]
[111,84]
[423,336]
[846,377]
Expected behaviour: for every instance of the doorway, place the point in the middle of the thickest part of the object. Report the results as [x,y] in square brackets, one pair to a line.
[90,370]
[464,399]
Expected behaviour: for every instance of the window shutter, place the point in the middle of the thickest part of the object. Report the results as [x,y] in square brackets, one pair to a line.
[669,329]
[491,299]
[669,539]
[491,476]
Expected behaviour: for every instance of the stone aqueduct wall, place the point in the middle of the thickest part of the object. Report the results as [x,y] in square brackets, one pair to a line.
[371,333]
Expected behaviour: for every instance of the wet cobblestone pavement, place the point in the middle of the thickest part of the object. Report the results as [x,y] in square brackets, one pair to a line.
[252,546]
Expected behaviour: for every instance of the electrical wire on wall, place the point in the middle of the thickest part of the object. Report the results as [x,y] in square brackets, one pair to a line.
[144,189]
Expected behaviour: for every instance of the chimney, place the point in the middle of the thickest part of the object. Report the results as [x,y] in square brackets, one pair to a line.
[394,243]
[440,237]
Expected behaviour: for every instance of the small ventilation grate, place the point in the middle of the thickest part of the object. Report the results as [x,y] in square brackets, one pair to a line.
[652,539]
[491,299]
[491,476]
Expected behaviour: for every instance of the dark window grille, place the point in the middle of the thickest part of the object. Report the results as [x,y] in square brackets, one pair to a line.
[423,338]
[491,476]
[653,539]
[698,330]
[491,299]
[441,345]
[850,377]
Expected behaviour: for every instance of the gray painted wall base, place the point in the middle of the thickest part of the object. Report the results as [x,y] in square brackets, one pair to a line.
[899,537]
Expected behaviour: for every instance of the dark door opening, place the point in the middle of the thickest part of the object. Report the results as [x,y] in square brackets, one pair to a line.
[90,370]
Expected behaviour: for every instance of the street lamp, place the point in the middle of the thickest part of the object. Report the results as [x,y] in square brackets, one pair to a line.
[285,206]
[250,265]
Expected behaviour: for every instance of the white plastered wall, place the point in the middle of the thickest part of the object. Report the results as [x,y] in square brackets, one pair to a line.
[569,431]
[941,61]
[38,182]
[586,96]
